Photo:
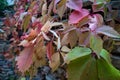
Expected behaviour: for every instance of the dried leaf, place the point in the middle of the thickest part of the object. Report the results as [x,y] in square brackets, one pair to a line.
[64,40]
[24,43]
[46,27]
[50,50]
[72,38]
[39,56]
[55,61]
[65,49]
[84,38]
[44,9]
[61,10]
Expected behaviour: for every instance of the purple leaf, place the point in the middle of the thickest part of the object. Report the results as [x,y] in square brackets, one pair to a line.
[109,31]
[77,16]
[75,4]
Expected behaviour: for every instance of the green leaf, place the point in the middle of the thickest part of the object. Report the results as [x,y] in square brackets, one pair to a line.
[96,44]
[23,78]
[26,22]
[90,68]
[106,71]
[77,52]
[105,55]
[83,68]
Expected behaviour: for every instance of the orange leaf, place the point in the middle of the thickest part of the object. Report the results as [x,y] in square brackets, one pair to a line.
[32,35]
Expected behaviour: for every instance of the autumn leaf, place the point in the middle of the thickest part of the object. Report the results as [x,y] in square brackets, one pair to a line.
[26,21]
[95,22]
[55,61]
[72,38]
[31,35]
[76,16]
[24,60]
[61,8]
[108,31]
[24,43]
[65,49]
[39,56]
[84,38]
[74,4]
[50,50]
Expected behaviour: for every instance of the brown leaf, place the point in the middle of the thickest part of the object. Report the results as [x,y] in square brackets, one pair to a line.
[39,53]
[84,39]
[50,50]
[64,40]
[55,61]
[61,8]
[72,38]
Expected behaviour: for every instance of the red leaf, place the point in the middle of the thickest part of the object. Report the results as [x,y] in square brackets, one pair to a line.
[49,50]
[77,16]
[24,60]
[75,4]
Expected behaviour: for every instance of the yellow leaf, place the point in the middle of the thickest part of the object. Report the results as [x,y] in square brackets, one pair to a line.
[26,21]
